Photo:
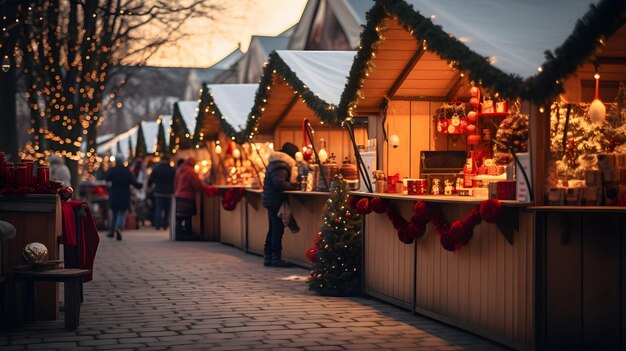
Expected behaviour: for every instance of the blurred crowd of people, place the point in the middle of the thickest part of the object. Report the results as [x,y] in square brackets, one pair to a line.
[141,193]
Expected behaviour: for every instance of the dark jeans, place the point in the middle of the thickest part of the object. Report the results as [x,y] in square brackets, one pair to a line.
[162,207]
[118,220]
[274,238]
[183,228]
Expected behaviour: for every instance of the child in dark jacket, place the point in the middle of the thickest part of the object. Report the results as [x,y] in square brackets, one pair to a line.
[278,178]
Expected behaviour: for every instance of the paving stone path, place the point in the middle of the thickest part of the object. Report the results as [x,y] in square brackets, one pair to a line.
[150,293]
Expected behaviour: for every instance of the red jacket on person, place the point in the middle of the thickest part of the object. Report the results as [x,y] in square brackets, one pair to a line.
[187,182]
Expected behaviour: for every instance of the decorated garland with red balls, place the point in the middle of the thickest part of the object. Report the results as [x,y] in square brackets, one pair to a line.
[453,236]
[230,197]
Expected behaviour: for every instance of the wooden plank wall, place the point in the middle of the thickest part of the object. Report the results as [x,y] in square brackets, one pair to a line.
[389,272]
[257,223]
[486,287]
[42,226]
[232,225]
[582,287]
[413,122]
[337,140]
[211,221]
[308,210]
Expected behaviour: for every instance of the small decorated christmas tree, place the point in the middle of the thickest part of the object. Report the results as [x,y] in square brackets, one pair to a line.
[336,253]
[512,132]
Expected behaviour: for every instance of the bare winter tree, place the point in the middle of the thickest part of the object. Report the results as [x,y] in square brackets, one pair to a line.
[74,55]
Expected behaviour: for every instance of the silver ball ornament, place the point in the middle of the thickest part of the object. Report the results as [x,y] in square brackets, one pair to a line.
[35,253]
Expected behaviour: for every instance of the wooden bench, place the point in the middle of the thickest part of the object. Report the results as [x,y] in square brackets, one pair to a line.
[24,282]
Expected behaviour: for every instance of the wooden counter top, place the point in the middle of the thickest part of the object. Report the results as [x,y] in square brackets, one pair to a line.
[578,208]
[470,200]
[300,192]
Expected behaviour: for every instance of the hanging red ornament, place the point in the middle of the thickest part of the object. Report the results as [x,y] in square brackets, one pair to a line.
[348,214]
[421,212]
[416,229]
[352,201]
[378,205]
[490,210]
[363,206]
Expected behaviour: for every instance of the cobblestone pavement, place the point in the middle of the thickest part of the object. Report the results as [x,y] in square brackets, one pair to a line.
[153,294]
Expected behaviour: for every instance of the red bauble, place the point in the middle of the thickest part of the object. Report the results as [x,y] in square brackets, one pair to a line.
[311,252]
[458,233]
[348,214]
[378,205]
[490,210]
[472,116]
[66,193]
[475,92]
[416,229]
[470,129]
[363,206]
[405,236]
[447,242]
[307,153]
[421,212]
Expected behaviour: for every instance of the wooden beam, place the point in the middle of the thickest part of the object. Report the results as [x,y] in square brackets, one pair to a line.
[418,98]
[285,112]
[405,72]
[618,61]
[455,88]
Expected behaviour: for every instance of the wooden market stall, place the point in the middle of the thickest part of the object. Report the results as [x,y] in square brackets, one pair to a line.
[299,85]
[435,79]
[236,161]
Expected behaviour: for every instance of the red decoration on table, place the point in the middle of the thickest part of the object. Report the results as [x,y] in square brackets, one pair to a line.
[391,182]
[363,206]
[490,210]
[378,205]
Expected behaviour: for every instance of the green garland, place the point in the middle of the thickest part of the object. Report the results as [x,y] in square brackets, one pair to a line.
[601,21]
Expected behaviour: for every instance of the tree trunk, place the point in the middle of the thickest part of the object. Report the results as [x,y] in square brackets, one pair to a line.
[8,118]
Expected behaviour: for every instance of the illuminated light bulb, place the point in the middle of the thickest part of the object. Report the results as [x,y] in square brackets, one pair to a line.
[323,155]
[218,149]
[299,156]
[271,146]
[394,140]
[597,110]
[236,153]
[6,64]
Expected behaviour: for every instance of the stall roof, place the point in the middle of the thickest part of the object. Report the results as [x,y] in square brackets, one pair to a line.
[225,107]
[299,84]
[122,139]
[513,34]
[419,48]
[150,131]
[323,16]
[234,102]
[188,111]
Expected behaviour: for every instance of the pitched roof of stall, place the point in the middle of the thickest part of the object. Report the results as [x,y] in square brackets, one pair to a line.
[500,44]
[228,104]
[318,77]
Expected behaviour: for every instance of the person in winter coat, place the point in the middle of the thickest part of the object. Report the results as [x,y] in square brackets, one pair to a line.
[139,196]
[279,176]
[162,178]
[186,184]
[121,178]
[59,170]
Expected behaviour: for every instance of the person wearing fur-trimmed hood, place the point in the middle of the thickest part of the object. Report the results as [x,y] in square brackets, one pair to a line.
[280,175]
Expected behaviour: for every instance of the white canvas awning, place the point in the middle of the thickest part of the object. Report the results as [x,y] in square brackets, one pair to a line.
[122,139]
[324,72]
[234,101]
[189,112]
[514,33]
